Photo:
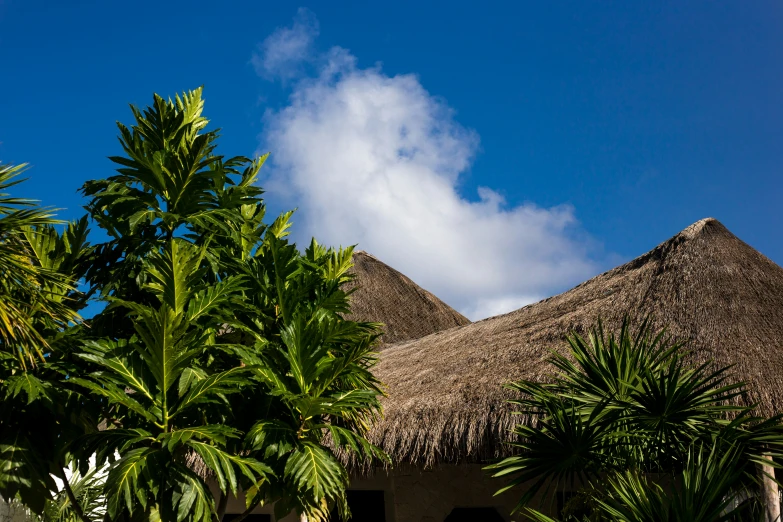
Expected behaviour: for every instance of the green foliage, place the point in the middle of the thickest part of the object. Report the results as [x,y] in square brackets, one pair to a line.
[39,268]
[224,351]
[164,397]
[223,348]
[699,493]
[317,388]
[169,183]
[87,489]
[624,409]
[33,287]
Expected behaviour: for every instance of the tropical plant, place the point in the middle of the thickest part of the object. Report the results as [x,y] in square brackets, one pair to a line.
[164,397]
[87,489]
[29,290]
[170,183]
[318,396]
[710,488]
[39,268]
[625,411]
[189,255]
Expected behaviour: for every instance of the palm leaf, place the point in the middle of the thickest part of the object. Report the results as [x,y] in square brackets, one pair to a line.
[313,469]
[222,464]
[122,488]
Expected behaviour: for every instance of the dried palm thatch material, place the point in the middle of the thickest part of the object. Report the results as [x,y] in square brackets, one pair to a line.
[386,296]
[197,465]
[445,398]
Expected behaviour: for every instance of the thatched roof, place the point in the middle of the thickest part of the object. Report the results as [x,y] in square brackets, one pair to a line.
[386,296]
[445,401]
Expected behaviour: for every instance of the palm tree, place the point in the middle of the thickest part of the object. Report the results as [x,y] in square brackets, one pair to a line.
[29,287]
[622,410]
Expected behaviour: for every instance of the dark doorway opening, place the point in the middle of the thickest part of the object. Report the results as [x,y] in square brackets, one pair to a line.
[477,514]
[366,506]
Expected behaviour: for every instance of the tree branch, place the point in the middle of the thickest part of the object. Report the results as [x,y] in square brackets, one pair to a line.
[71,497]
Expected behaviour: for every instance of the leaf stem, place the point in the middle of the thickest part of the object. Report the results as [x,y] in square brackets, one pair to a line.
[74,501]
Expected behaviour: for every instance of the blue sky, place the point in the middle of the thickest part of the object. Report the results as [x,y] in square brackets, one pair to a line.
[530,144]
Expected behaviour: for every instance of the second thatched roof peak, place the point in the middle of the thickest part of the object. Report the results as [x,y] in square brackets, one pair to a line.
[386,296]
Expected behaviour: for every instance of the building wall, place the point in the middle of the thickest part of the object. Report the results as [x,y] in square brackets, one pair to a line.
[416,495]
[430,495]
[11,511]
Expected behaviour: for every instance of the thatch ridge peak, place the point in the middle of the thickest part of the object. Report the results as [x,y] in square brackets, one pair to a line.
[383,294]
[700,226]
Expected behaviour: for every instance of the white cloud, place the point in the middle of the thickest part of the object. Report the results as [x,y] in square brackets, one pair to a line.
[497,305]
[283,52]
[375,160]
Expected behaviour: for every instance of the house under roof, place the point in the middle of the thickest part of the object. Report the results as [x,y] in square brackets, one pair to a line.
[446,410]
[445,398]
[384,295]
